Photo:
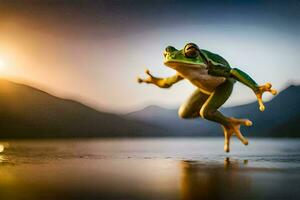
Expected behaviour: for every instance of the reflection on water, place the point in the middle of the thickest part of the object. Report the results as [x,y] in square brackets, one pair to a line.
[183,169]
[1,148]
[3,158]
[213,180]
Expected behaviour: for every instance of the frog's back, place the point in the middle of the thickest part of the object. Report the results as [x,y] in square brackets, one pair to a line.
[215,57]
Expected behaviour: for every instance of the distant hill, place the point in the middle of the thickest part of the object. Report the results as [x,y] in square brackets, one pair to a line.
[280,119]
[26,112]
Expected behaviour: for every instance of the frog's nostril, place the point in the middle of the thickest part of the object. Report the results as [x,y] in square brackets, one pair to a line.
[165,53]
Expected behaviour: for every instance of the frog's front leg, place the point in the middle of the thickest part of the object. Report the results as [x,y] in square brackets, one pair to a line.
[160,82]
[248,81]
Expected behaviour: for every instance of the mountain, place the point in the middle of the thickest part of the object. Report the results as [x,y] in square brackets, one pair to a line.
[170,121]
[280,119]
[27,112]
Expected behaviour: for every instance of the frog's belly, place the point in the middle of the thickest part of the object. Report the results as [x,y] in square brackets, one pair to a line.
[207,82]
[201,79]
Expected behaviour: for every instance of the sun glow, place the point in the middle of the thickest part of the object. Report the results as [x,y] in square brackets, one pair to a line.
[1,148]
[2,64]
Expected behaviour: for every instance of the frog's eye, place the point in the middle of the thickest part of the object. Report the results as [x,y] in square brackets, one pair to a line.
[170,49]
[191,50]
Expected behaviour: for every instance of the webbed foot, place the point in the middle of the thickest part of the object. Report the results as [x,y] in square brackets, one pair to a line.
[234,128]
[150,78]
[261,89]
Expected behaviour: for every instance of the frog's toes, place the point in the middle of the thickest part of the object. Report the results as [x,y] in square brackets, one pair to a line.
[261,89]
[261,105]
[245,122]
[234,128]
[240,136]
[227,135]
[139,80]
[226,148]
[274,92]
[148,72]
[245,142]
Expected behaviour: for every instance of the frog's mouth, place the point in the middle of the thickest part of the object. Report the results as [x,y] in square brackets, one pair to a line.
[179,65]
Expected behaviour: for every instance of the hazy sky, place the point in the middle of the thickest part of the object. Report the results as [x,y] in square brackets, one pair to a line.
[94,50]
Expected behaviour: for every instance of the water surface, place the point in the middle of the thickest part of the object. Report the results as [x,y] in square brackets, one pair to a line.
[158,169]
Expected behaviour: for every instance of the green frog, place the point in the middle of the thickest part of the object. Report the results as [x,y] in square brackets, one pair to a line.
[214,79]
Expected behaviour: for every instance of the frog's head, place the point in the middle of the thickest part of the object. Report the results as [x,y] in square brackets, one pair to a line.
[188,57]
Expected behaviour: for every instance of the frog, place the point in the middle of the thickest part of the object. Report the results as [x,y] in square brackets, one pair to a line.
[214,79]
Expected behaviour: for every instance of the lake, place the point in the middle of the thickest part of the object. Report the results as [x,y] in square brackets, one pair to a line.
[156,169]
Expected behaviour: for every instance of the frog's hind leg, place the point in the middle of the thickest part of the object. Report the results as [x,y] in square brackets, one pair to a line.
[190,108]
[230,125]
